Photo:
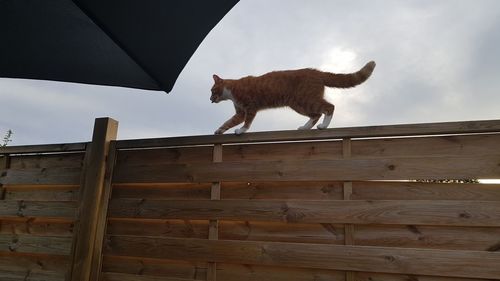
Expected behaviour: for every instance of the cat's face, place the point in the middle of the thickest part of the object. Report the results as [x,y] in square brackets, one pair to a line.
[217,89]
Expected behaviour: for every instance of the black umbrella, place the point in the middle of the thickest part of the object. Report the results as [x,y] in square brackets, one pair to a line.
[141,44]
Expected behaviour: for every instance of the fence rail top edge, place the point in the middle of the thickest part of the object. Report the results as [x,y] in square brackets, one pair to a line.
[400,130]
[44,148]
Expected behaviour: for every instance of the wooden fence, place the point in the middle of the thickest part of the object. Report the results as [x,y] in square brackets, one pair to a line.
[337,204]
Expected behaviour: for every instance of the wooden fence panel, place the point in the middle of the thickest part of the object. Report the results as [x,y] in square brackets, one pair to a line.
[441,146]
[338,204]
[324,150]
[430,237]
[380,190]
[422,212]
[231,230]
[316,170]
[473,264]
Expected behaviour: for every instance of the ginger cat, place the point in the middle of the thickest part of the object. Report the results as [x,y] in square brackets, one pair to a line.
[301,89]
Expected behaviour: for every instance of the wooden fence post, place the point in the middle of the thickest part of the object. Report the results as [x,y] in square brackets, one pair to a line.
[213,229]
[4,165]
[348,228]
[92,193]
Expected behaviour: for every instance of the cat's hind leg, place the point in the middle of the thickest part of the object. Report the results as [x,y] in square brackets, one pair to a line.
[327,109]
[313,117]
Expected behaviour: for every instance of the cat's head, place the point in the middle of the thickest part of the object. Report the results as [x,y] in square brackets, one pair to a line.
[217,89]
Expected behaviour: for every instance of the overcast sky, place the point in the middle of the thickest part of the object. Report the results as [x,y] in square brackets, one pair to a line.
[436,61]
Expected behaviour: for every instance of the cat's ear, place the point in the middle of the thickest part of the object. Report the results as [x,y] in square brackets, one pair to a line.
[216,78]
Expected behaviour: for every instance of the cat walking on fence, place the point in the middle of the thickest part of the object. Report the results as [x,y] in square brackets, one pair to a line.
[301,89]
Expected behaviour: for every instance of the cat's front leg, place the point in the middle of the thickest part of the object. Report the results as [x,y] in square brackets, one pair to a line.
[233,121]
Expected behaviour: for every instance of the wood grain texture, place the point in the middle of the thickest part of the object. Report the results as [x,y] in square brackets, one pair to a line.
[30,275]
[43,148]
[323,150]
[439,146]
[247,272]
[35,244]
[465,127]
[44,176]
[474,264]
[37,226]
[57,160]
[460,213]
[34,262]
[174,155]
[155,267]
[50,209]
[111,276]
[41,192]
[156,227]
[231,230]
[92,193]
[430,237]
[369,276]
[163,191]
[225,271]
[314,170]
[314,190]
[102,212]
[424,191]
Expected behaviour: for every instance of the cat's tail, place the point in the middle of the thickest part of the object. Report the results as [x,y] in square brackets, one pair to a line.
[348,80]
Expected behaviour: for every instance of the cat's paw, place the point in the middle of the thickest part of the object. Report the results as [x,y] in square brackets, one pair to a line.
[322,127]
[240,131]
[219,132]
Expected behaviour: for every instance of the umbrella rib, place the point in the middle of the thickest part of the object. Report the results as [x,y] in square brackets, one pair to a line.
[120,45]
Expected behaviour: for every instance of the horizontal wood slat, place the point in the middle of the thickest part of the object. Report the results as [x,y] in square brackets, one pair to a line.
[176,155]
[473,264]
[248,272]
[112,276]
[460,213]
[283,151]
[56,160]
[155,267]
[371,276]
[30,275]
[55,209]
[314,190]
[379,190]
[231,230]
[347,170]
[163,191]
[464,127]
[29,261]
[35,244]
[438,146]
[41,192]
[46,176]
[434,237]
[37,226]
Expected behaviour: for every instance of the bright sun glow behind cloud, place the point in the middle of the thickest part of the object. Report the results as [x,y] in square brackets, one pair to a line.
[339,60]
